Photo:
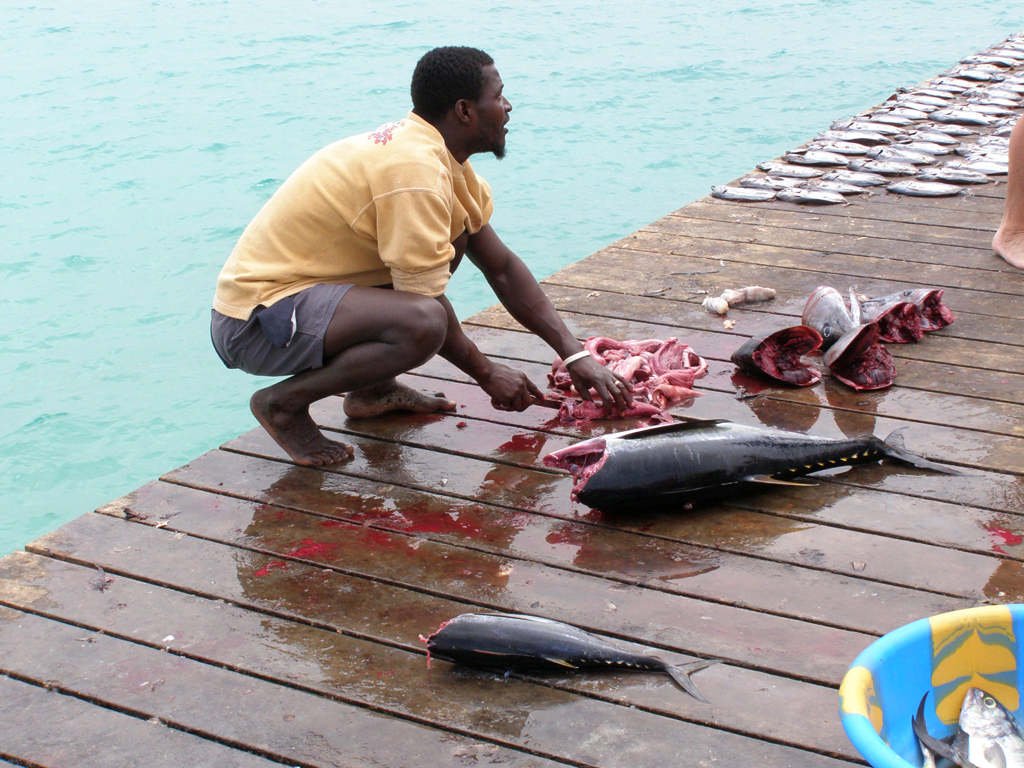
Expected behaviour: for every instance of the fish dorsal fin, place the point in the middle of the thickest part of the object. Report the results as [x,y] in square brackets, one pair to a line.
[855,310]
[677,426]
[769,480]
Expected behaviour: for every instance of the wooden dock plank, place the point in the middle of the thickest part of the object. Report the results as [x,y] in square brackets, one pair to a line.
[685,279]
[753,639]
[278,722]
[857,257]
[862,218]
[54,730]
[623,554]
[392,680]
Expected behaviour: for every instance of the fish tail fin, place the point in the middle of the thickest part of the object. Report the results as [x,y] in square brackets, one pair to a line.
[681,674]
[896,448]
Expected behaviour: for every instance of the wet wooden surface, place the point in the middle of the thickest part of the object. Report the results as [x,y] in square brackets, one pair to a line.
[242,610]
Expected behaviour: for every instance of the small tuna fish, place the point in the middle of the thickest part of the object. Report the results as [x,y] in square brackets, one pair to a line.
[989,735]
[746,194]
[816,157]
[770,182]
[900,155]
[671,465]
[790,171]
[953,176]
[779,354]
[506,641]
[857,178]
[809,196]
[829,185]
[886,168]
[925,188]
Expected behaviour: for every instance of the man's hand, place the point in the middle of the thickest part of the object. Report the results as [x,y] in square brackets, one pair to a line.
[510,390]
[615,392]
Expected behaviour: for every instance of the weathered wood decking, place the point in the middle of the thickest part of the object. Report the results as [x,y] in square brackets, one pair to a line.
[252,612]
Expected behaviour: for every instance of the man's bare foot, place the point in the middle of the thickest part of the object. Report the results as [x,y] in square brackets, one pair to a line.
[392,396]
[1010,247]
[297,433]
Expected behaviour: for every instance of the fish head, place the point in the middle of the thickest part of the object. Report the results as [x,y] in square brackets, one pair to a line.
[983,717]
[778,355]
[860,360]
[826,312]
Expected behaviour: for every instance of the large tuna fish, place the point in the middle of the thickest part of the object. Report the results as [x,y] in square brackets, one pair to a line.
[672,464]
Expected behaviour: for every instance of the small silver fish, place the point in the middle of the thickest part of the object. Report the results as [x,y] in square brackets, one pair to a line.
[988,167]
[830,185]
[900,155]
[816,157]
[790,170]
[885,117]
[884,167]
[953,175]
[769,182]
[961,116]
[746,194]
[865,125]
[919,97]
[839,147]
[924,188]
[950,129]
[910,110]
[808,196]
[932,137]
[859,179]
[928,147]
[861,137]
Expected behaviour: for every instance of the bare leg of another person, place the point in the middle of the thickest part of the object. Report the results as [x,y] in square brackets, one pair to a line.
[375,335]
[1009,238]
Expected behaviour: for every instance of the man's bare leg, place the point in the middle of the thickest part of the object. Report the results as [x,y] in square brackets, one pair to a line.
[1009,238]
[375,335]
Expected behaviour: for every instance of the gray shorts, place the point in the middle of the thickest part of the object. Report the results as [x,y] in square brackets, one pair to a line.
[243,343]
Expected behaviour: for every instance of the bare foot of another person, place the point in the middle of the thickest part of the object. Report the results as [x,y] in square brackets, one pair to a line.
[1010,247]
[392,396]
[297,433]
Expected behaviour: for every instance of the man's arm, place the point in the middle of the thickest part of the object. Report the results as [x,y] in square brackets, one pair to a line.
[510,390]
[519,292]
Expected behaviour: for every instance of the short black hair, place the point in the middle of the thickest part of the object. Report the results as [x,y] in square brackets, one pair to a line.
[445,75]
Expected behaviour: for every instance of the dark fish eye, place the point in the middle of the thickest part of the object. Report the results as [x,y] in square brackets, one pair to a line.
[908,292]
[989,702]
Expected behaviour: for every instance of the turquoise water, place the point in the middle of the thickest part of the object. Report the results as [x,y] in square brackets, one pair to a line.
[138,142]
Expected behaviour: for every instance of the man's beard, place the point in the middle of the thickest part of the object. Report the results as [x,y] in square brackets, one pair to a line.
[498,151]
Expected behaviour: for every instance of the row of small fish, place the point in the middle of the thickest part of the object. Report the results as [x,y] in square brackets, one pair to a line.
[850,338]
[923,134]
[987,735]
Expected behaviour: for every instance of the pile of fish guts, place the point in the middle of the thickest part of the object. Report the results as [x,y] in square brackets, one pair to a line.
[923,141]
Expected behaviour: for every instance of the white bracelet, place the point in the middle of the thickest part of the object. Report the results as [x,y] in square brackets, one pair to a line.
[574,358]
